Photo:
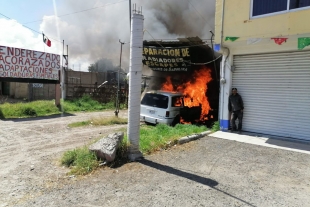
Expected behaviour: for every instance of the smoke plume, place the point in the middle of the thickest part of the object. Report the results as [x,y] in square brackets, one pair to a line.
[95,33]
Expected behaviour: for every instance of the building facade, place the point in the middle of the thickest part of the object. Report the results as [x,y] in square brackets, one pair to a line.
[266,56]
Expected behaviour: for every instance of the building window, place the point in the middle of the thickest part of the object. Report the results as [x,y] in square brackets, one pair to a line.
[262,7]
[294,4]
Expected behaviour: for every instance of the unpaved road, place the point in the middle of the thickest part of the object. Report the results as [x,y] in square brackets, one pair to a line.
[38,143]
[206,172]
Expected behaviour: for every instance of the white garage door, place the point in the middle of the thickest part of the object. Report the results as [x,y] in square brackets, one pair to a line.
[275,89]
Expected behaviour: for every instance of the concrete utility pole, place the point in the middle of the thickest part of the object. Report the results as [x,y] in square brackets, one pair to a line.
[118,74]
[135,78]
[130,15]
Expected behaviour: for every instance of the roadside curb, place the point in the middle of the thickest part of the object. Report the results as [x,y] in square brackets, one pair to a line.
[183,140]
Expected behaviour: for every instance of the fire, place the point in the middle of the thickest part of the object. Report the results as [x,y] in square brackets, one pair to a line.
[167,86]
[194,90]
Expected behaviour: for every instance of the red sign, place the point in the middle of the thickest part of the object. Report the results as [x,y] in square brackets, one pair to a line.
[279,40]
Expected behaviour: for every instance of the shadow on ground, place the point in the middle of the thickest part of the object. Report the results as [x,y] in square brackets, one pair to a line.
[1,115]
[174,171]
[35,118]
[199,179]
[298,144]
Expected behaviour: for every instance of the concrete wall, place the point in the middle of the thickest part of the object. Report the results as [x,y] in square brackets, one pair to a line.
[43,92]
[238,22]
[78,83]
[83,78]
[40,91]
[19,90]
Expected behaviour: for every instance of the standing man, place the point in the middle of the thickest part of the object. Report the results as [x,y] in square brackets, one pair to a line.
[235,107]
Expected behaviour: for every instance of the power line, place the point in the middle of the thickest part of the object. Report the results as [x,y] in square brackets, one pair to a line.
[187,46]
[5,16]
[30,28]
[78,11]
[153,37]
[62,16]
[189,1]
[205,62]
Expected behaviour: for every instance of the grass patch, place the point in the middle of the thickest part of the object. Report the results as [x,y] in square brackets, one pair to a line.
[152,138]
[80,160]
[163,136]
[215,126]
[30,109]
[100,122]
[86,103]
[45,108]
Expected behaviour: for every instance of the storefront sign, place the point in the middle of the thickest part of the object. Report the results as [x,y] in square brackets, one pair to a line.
[167,59]
[23,63]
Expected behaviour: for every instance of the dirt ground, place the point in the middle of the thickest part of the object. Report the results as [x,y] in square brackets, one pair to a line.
[205,172]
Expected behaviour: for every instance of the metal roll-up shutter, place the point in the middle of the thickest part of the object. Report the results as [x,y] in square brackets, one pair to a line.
[275,88]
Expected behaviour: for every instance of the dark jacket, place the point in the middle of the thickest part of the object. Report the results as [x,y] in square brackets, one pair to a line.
[235,103]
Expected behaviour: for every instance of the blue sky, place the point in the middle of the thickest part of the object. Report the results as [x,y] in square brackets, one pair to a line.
[27,10]
[95,33]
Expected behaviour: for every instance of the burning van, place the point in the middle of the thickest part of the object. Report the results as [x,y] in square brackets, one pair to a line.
[167,108]
[161,107]
[189,68]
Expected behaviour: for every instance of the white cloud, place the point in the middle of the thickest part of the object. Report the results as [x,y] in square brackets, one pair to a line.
[95,34]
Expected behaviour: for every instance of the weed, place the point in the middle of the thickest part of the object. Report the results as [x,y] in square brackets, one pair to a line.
[152,138]
[45,108]
[102,121]
[68,158]
[215,126]
[28,111]
[80,160]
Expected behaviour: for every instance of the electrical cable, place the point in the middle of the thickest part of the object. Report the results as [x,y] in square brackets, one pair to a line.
[205,62]
[157,41]
[30,28]
[78,11]
[189,1]
[23,24]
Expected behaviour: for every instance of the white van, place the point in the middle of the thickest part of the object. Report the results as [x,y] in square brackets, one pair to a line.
[161,107]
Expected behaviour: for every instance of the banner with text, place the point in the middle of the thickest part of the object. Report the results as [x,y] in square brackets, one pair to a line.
[167,59]
[23,63]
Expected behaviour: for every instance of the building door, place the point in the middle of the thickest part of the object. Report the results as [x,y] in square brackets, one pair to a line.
[276,92]
[6,88]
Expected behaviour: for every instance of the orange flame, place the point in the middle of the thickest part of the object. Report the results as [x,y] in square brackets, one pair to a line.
[184,122]
[194,91]
[167,86]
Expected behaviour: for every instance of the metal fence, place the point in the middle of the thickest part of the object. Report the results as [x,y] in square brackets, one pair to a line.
[106,93]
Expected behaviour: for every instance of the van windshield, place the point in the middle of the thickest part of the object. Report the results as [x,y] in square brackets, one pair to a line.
[155,100]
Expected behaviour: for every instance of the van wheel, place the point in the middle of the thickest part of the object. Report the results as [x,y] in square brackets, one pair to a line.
[176,120]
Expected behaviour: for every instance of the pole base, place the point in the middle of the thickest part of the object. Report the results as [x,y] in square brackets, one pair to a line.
[135,155]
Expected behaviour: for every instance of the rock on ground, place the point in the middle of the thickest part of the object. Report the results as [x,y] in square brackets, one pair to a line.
[106,147]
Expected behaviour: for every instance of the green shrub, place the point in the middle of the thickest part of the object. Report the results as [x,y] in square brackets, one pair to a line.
[28,111]
[80,160]
[216,126]
[86,103]
[68,158]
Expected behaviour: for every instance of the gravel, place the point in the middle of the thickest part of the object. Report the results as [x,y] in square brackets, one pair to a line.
[204,172]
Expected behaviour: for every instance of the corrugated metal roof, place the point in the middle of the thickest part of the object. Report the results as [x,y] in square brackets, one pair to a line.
[187,41]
